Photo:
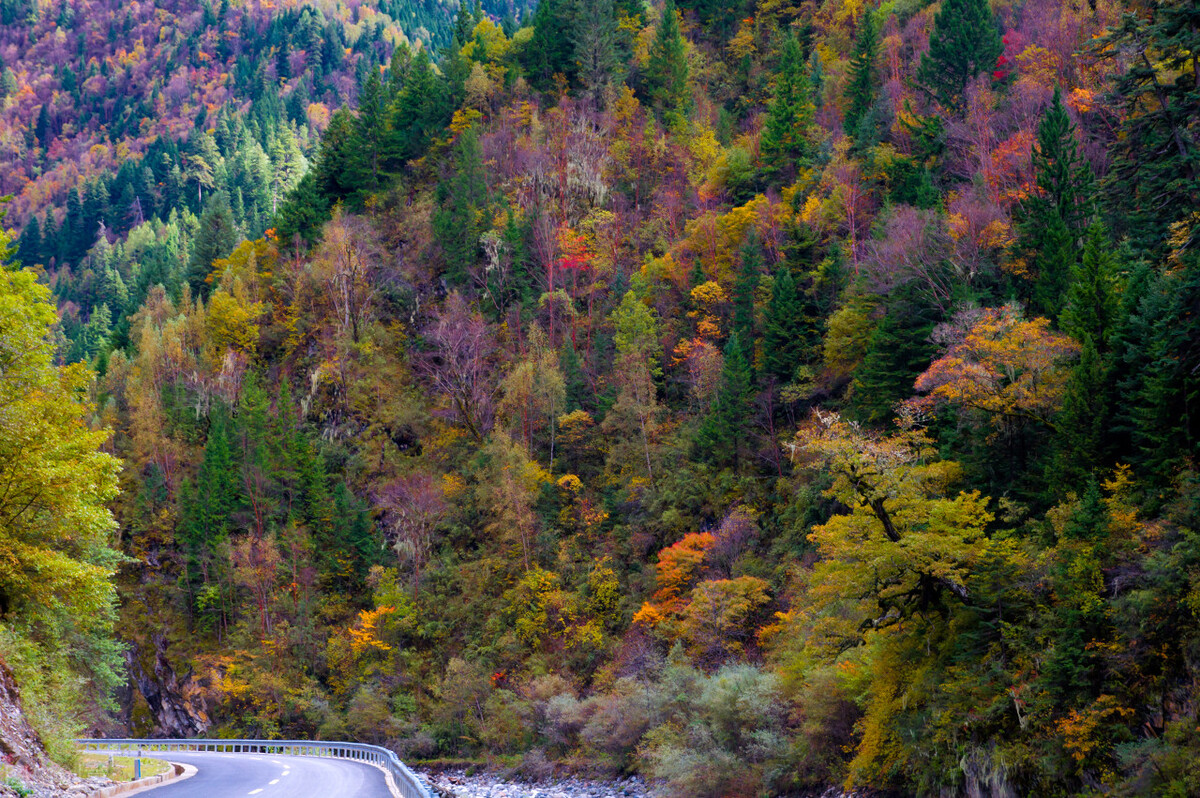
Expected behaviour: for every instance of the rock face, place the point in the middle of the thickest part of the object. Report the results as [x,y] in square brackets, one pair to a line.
[175,703]
[23,757]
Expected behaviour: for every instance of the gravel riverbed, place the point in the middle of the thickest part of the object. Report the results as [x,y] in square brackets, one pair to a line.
[457,784]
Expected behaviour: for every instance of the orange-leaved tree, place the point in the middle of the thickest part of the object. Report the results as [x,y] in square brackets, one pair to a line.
[998,364]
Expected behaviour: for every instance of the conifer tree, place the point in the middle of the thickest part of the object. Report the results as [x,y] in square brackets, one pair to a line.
[594,37]
[577,393]
[1082,423]
[419,113]
[1156,157]
[898,351]
[29,250]
[667,71]
[964,42]
[744,292]
[787,331]
[551,50]
[367,152]
[463,24]
[458,223]
[1051,222]
[723,432]
[1091,306]
[210,501]
[215,239]
[42,128]
[785,135]
[863,90]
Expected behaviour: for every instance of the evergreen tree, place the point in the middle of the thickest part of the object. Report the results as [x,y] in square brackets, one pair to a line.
[785,135]
[459,222]
[577,393]
[899,350]
[209,503]
[722,435]
[215,239]
[366,152]
[73,240]
[1051,222]
[787,329]
[29,251]
[964,42]
[744,292]
[8,83]
[1081,439]
[1164,361]
[1091,306]
[863,90]
[594,36]
[50,239]
[398,70]
[1156,159]
[43,128]
[667,70]
[335,158]
[422,110]
[464,23]
[551,51]
[303,213]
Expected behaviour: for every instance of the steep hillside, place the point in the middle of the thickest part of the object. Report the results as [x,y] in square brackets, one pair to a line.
[757,396]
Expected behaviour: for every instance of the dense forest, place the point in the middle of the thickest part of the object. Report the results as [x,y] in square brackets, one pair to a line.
[757,396]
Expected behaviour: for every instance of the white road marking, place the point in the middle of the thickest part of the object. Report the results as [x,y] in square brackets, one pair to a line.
[255,792]
[272,781]
[286,772]
[276,762]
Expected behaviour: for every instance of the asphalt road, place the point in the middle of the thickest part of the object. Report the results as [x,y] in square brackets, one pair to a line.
[268,776]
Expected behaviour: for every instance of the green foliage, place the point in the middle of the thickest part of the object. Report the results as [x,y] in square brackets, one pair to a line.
[460,221]
[786,135]
[507,465]
[788,335]
[863,88]
[721,438]
[667,71]
[57,600]
[1053,220]
[1155,161]
[214,240]
[964,42]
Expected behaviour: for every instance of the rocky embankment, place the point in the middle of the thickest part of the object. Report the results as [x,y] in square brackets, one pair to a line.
[25,769]
[457,784]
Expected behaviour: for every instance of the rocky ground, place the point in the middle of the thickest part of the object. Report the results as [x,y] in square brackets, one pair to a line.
[25,770]
[457,784]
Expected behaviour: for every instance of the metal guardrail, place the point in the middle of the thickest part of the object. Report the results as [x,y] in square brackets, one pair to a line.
[408,783]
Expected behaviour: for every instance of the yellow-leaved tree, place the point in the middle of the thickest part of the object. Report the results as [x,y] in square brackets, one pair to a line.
[56,594]
[906,556]
[907,542]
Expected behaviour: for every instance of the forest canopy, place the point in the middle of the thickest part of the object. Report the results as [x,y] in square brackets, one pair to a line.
[758,397]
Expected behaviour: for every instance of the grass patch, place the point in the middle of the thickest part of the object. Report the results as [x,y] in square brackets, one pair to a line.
[117,768]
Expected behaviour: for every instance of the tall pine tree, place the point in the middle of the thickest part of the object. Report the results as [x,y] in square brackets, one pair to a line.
[1051,221]
[965,41]
[722,435]
[667,71]
[785,136]
[788,333]
[863,90]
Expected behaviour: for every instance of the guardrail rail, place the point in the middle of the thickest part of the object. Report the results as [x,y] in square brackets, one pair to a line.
[408,783]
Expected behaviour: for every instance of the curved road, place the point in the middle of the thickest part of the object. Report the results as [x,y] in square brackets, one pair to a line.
[270,776]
